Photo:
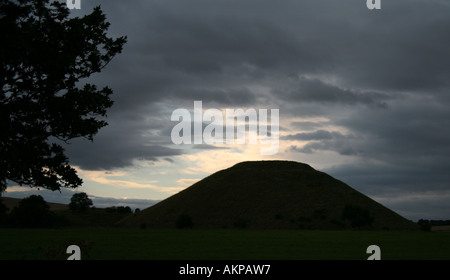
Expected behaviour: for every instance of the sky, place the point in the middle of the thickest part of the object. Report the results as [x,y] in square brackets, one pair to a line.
[363,95]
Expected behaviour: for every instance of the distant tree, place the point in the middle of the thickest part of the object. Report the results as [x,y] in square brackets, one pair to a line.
[124,209]
[424,225]
[44,56]
[32,211]
[357,216]
[80,202]
[184,221]
[319,214]
[111,209]
[119,209]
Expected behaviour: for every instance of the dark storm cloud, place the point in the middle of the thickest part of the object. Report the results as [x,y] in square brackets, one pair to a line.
[118,145]
[197,50]
[322,140]
[116,155]
[224,97]
[414,129]
[316,135]
[200,49]
[402,152]
[208,147]
[403,48]
[315,90]
[415,189]
[382,75]
[212,51]
[306,125]
[195,44]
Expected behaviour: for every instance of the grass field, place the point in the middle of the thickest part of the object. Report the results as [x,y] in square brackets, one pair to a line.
[220,244]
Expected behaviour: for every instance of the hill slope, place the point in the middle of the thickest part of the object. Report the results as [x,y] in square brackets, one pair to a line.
[270,195]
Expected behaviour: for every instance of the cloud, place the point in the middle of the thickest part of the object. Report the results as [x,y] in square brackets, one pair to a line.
[322,140]
[314,90]
[208,147]
[418,205]
[175,57]
[316,135]
[306,125]
[119,145]
[187,182]
[366,88]
[133,203]
[412,131]
[105,179]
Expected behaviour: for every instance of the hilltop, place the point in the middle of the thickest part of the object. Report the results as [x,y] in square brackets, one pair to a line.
[269,195]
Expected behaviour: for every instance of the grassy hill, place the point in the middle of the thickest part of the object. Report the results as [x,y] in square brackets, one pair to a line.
[211,244]
[94,217]
[269,195]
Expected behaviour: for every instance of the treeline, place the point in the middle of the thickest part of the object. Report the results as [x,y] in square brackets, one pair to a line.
[120,209]
[427,224]
[34,212]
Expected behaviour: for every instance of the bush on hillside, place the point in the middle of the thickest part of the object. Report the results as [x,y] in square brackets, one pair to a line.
[32,211]
[357,216]
[184,221]
[119,209]
[424,225]
[80,202]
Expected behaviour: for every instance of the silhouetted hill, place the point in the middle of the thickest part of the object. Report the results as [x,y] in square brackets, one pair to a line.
[269,195]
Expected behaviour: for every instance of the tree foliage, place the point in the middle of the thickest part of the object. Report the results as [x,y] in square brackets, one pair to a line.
[32,211]
[184,221]
[424,225]
[119,209]
[80,202]
[357,216]
[44,57]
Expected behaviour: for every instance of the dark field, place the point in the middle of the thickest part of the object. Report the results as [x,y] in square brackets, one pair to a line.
[121,244]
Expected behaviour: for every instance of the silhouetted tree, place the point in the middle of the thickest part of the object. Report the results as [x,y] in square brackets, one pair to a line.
[119,209]
[184,221]
[240,223]
[32,211]
[44,55]
[80,202]
[424,225]
[111,209]
[357,216]
[124,209]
